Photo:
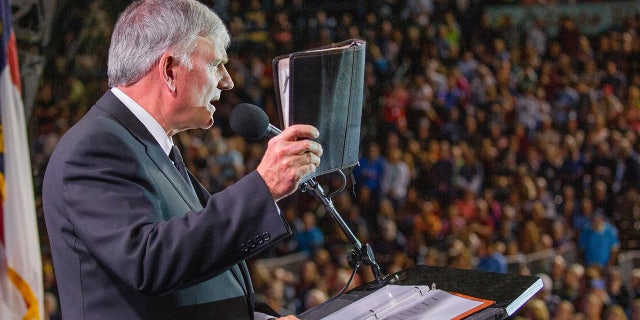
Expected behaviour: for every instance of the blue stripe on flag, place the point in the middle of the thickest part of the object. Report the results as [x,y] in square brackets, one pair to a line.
[5,15]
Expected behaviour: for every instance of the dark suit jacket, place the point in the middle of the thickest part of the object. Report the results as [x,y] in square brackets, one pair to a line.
[130,240]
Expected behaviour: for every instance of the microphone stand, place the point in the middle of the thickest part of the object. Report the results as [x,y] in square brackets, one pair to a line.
[360,253]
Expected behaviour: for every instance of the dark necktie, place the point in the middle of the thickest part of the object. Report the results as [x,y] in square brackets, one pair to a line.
[176,157]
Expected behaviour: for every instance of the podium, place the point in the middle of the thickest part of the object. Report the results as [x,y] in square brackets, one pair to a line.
[509,291]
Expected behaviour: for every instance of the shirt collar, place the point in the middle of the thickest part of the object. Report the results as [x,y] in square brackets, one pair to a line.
[147,120]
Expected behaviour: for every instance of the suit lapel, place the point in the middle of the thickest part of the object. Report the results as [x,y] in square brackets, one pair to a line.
[202,192]
[112,105]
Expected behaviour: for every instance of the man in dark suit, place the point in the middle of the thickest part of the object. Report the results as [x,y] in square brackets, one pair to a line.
[132,236]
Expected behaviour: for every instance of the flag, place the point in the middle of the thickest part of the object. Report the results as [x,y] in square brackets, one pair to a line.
[21,285]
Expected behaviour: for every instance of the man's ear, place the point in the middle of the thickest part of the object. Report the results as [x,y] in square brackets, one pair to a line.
[167,66]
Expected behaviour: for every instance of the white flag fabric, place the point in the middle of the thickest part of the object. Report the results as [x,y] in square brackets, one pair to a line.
[21,288]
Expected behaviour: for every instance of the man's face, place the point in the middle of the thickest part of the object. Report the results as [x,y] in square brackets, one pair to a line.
[597,222]
[199,88]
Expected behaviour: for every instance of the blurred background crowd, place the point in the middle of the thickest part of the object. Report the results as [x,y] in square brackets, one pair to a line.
[496,146]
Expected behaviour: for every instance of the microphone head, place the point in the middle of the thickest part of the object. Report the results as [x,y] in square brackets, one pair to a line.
[249,121]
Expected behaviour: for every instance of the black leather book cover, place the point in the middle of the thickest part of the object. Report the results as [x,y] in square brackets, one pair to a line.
[324,87]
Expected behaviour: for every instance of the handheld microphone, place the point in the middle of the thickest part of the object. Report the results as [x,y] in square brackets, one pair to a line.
[252,123]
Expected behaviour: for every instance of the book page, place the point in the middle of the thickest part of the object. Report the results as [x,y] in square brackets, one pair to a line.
[396,302]
[283,84]
[436,304]
[331,48]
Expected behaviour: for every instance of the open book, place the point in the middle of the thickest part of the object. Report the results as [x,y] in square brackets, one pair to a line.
[398,302]
[509,291]
[324,87]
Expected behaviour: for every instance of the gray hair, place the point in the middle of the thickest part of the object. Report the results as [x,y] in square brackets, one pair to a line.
[149,28]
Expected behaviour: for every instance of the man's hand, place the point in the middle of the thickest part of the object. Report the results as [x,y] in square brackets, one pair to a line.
[290,156]
[288,318]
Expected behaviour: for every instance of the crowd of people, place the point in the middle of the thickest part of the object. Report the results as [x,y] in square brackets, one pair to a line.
[479,143]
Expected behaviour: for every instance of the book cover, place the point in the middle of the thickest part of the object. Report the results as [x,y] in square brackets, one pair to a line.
[324,87]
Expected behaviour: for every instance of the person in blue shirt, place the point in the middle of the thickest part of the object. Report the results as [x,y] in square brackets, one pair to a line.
[599,241]
[310,238]
[491,259]
[370,169]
